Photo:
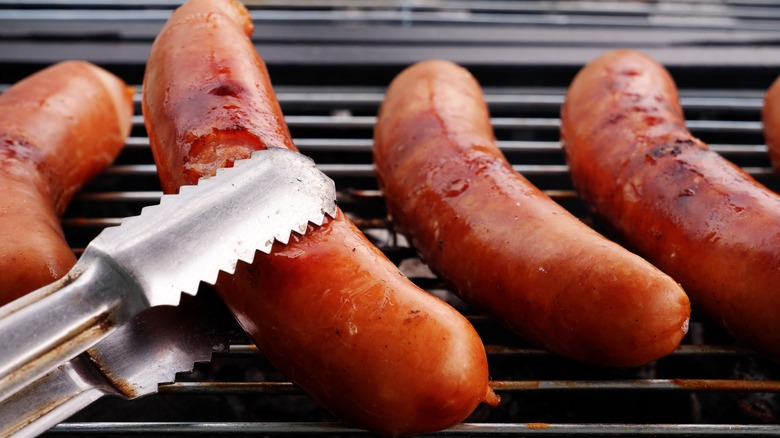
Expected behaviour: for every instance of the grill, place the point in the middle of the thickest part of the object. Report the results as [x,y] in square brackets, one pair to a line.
[330,62]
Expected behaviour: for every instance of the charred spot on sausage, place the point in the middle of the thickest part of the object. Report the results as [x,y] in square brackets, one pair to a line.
[666,149]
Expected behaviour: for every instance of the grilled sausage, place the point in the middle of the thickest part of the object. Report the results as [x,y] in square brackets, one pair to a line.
[770,116]
[693,214]
[329,310]
[58,128]
[505,247]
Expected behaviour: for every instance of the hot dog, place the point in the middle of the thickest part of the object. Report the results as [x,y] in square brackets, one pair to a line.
[58,128]
[695,215]
[770,116]
[504,246]
[329,310]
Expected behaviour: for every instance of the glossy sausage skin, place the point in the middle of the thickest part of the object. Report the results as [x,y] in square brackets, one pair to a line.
[770,116]
[58,128]
[693,214]
[505,247]
[329,310]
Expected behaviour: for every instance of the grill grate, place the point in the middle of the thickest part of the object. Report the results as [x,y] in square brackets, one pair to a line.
[707,386]
[330,74]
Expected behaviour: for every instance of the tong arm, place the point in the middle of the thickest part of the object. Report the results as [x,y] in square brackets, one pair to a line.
[51,325]
[51,399]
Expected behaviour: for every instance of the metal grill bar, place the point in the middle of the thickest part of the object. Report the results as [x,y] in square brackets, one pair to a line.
[740,100]
[513,385]
[367,170]
[495,350]
[346,121]
[365,145]
[466,429]
[552,98]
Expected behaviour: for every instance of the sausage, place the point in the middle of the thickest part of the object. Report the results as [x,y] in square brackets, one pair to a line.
[329,310]
[696,216]
[504,246]
[58,128]
[770,117]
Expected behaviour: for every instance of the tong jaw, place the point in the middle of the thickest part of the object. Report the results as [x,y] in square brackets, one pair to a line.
[240,210]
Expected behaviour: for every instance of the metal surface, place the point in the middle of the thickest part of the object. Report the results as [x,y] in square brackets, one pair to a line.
[330,62]
[151,259]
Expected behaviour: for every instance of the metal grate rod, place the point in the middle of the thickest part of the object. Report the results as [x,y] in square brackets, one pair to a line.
[465,429]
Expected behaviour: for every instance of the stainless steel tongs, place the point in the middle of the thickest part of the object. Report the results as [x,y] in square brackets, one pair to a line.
[149,260]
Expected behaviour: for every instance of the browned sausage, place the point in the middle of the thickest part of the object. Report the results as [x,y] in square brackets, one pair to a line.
[329,310]
[770,116]
[58,128]
[696,216]
[504,246]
